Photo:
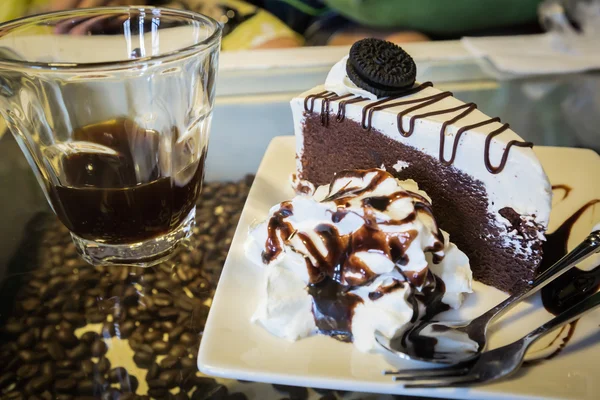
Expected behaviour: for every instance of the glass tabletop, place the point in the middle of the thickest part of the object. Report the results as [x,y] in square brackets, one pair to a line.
[70,330]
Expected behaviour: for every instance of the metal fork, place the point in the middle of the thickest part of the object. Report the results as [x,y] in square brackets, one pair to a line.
[494,364]
[469,338]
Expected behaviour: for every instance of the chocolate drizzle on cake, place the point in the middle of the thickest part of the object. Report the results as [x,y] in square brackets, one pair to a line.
[389,102]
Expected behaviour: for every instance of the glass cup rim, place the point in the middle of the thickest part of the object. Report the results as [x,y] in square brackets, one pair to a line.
[119,64]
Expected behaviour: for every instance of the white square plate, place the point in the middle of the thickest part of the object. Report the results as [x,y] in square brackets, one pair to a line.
[233,347]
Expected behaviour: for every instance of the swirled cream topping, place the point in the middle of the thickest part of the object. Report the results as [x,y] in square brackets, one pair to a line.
[361,254]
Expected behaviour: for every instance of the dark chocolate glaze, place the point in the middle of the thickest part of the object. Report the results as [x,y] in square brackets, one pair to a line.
[277,224]
[574,285]
[389,102]
[431,295]
[333,308]
[383,290]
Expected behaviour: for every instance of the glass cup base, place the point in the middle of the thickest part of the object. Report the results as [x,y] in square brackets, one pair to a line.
[141,254]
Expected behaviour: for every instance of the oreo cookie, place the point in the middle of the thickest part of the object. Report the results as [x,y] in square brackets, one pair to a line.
[380,67]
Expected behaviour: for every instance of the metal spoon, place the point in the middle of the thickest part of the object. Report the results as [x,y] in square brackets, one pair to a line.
[464,340]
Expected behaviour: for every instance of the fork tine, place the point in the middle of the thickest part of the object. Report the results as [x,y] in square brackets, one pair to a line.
[457,382]
[418,373]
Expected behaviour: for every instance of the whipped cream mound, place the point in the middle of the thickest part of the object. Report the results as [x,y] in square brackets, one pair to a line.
[363,253]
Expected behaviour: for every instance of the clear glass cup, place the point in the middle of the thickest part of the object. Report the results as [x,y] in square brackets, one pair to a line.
[112,109]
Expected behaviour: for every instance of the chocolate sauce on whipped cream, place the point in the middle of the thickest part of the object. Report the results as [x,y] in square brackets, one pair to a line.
[333,308]
[333,273]
[389,102]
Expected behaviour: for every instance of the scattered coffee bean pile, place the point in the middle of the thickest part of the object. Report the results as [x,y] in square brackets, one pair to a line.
[51,293]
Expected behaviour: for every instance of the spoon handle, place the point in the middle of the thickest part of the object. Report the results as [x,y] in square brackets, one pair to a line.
[586,248]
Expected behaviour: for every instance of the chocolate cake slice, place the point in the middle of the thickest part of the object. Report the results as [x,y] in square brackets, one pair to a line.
[488,188]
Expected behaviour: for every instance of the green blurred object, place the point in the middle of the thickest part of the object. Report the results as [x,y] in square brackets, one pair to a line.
[442,17]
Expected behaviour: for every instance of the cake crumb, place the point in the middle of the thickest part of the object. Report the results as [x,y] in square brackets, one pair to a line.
[400,165]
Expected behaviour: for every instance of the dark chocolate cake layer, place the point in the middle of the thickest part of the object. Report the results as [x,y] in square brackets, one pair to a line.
[459,201]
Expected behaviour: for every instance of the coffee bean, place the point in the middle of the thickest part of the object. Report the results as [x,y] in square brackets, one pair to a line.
[108,329]
[14,327]
[48,369]
[161,347]
[126,329]
[130,384]
[56,302]
[65,364]
[99,348]
[78,375]
[165,286]
[157,393]
[48,333]
[31,304]
[184,273]
[88,367]
[27,371]
[29,356]
[64,397]
[7,378]
[169,362]
[169,377]
[74,318]
[95,317]
[65,385]
[187,362]
[79,352]
[153,372]
[14,395]
[188,339]
[130,296]
[157,383]
[33,322]
[111,394]
[152,336]
[178,351]
[86,387]
[89,337]
[117,374]
[168,313]
[26,340]
[39,384]
[127,396]
[162,300]
[143,359]
[103,365]
[56,351]
[167,325]
[66,337]
[181,396]
[53,318]
[176,333]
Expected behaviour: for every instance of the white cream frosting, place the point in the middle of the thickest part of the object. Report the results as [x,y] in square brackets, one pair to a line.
[337,81]
[285,308]
[522,185]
